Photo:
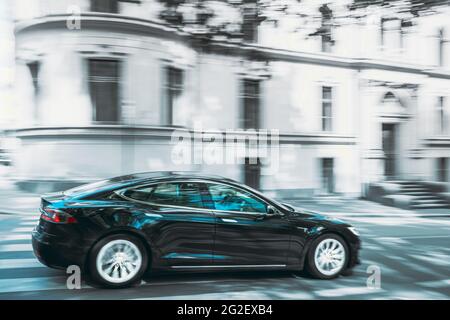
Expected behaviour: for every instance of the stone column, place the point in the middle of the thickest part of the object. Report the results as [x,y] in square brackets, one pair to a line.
[25,98]
[64,98]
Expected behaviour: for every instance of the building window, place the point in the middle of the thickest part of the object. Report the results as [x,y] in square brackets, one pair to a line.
[391,33]
[327,175]
[441,116]
[173,89]
[250,21]
[106,6]
[104,81]
[442,169]
[441,49]
[327,109]
[252,172]
[250,103]
[34,71]
[325,29]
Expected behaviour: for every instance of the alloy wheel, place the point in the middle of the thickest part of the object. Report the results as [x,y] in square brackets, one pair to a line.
[329,257]
[118,261]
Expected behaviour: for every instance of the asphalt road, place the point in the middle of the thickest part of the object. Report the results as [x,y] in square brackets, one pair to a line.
[413,256]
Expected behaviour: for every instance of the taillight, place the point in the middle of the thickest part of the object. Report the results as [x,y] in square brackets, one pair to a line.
[57,216]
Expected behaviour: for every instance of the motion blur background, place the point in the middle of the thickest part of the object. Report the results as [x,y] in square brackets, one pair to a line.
[359,91]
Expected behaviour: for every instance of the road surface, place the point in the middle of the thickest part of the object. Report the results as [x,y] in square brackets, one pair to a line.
[412,254]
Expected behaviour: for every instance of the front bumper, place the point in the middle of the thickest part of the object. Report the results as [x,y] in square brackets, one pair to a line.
[355,249]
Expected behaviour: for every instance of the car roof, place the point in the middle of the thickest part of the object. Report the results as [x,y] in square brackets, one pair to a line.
[138,178]
[158,175]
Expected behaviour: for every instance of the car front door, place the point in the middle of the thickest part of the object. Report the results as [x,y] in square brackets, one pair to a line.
[246,234]
[184,233]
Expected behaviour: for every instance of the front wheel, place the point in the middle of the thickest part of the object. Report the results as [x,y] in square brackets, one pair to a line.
[327,256]
[118,261]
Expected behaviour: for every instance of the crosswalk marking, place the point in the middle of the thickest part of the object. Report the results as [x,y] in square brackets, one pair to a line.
[20,263]
[32,284]
[16,247]
[20,236]
[28,223]
[23,229]
[18,239]
[436,284]
[346,291]
[30,218]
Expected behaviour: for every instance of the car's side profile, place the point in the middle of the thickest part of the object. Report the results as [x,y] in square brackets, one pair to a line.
[118,229]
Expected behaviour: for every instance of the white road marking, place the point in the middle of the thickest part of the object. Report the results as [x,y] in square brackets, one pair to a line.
[34,284]
[16,247]
[31,218]
[435,284]
[241,295]
[23,229]
[346,291]
[20,236]
[28,223]
[20,263]
[425,237]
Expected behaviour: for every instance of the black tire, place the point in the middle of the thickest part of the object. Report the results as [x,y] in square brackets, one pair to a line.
[310,264]
[98,278]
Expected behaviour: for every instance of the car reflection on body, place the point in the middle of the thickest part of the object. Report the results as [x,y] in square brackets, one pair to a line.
[116,230]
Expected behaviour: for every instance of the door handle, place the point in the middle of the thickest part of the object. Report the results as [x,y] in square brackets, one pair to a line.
[228,220]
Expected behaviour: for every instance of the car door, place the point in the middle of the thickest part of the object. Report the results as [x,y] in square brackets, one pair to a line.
[246,234]
[184,233]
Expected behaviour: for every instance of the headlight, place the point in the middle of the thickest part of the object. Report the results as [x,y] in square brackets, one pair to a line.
[354,231]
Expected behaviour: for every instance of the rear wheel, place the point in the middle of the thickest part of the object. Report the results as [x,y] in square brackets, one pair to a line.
[118,261]
[327,257]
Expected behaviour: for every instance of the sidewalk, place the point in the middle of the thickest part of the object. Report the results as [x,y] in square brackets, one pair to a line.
[15,201]
[362,208]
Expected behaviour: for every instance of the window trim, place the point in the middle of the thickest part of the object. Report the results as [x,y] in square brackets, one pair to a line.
[241,212]
[330,101]
[211,211]
[118,81]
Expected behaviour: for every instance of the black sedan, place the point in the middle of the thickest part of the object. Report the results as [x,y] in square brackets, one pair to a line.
[116,230]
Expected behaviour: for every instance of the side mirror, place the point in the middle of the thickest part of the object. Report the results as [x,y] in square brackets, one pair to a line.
[272,211]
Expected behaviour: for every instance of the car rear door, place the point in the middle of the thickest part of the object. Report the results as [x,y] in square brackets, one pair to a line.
[184,233]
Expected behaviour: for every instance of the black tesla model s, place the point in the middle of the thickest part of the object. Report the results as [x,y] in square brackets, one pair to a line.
[118,229]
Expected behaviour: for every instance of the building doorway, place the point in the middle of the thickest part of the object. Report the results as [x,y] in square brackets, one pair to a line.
[252,172]
[327,175]
[442,169]
[389,148]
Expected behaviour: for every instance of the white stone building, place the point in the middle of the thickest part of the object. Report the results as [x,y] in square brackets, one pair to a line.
[361,101]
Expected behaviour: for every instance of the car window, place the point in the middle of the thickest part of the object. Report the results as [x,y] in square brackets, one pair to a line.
[228,198]
[141,194]
[184,194]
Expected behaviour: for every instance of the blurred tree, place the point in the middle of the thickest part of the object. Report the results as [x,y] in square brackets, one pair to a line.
[238,19]
[413,6]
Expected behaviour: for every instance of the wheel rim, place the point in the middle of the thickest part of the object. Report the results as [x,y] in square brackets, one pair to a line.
[119,261]
[329,257]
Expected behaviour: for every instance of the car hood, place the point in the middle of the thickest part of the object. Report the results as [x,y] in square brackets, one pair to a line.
[305,214]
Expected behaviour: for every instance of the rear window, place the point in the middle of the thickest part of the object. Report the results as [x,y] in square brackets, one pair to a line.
[88,187]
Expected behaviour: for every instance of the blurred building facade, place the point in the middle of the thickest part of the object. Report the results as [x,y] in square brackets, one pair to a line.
[355,102]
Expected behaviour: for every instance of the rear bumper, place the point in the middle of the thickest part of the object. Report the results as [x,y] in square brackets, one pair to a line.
[54,253]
